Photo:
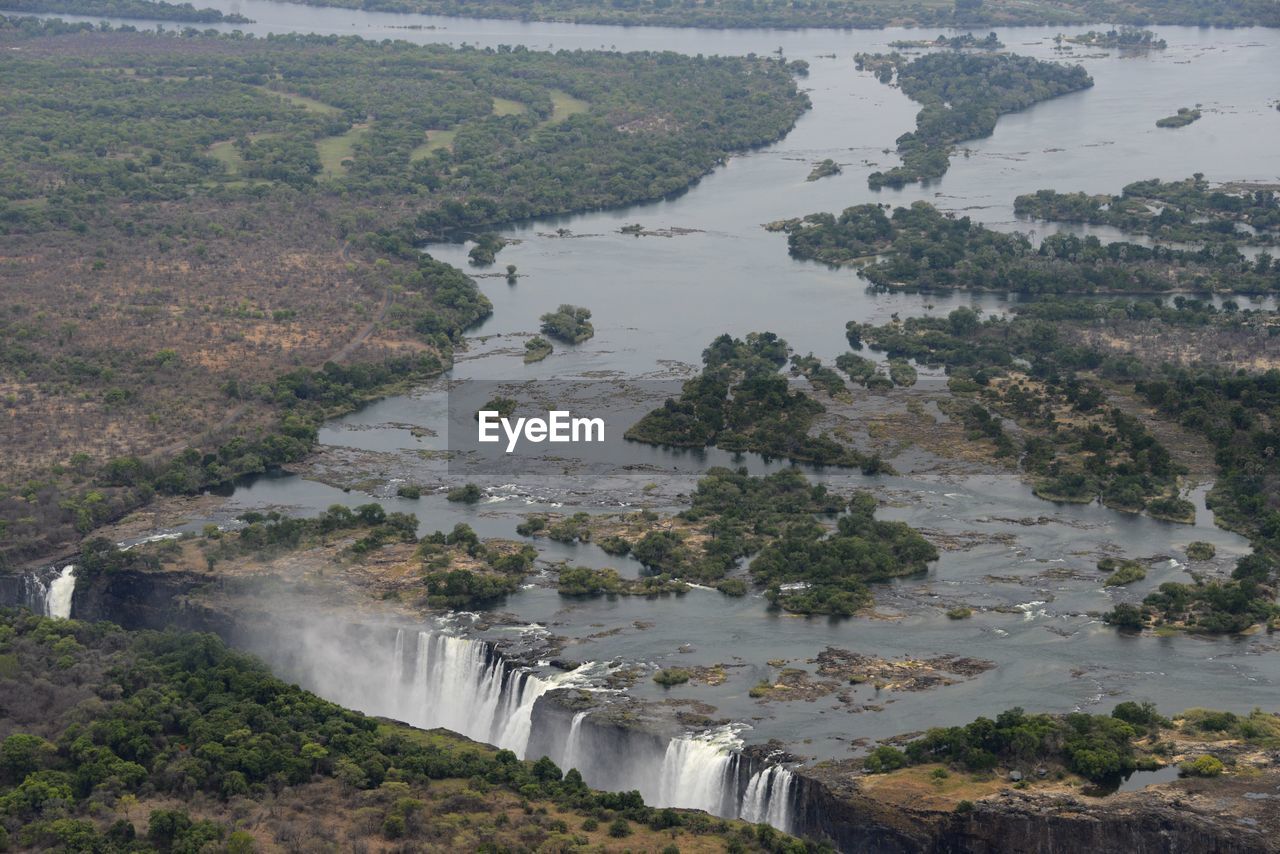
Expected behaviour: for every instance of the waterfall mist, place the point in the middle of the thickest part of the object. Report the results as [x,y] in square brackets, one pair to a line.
[433,678]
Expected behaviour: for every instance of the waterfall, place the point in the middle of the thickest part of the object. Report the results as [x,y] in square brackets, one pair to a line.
[465,686]
[571,746]
[694,772]
[768,797]
[433,678]
[35,593]
[705,772]
[58,599]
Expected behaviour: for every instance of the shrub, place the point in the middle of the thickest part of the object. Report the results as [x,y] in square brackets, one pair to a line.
[671,676]
[1127,572]
[620,828]
[1200,550]
[1202,766]
[885,758]
[468,494]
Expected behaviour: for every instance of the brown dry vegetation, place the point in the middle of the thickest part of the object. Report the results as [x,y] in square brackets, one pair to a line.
[177,317]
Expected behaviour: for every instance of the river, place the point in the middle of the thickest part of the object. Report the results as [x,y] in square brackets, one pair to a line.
[660,300]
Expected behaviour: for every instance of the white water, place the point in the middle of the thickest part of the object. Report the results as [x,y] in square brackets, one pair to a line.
[435,679]
[702,772]
[570,758]
[694,772]
[461,685]
[57,601]
[768,797]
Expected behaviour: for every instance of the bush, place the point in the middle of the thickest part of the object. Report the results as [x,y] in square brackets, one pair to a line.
[1202,766]
[732,587]
[1200,550]
[671,676]
[620,828]
[960,613]
[1126,572]
[1125,616]
[409,491]
[468,494]
[884,759]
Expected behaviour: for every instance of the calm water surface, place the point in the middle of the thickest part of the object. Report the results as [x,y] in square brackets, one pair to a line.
[660,300]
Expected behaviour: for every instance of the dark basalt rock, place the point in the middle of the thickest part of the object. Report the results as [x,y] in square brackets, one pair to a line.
[831,807]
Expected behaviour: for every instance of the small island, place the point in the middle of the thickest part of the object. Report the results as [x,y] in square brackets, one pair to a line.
[1125,38]
[569,323]
[966,41]
[962,96]
[486,250]
[536,349]
[825,169]
[1182,118]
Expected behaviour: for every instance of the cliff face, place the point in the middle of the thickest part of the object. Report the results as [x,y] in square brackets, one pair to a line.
[1196,817]
[613,745]
[151,600]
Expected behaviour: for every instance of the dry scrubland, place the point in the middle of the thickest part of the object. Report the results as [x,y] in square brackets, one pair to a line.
[195,229]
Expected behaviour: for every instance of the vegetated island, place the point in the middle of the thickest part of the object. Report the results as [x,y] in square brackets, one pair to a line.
[964,41]
[825,169]
[536,349]
[150,10]
[1073,445]
[1180,119]
[248,219]
[1188,211]
[862,14]
[195,747]
[569,323]
[486,249]
[964,95]
[1092,399]
[922,248]
[1125,38]
[740,402]
[805,563]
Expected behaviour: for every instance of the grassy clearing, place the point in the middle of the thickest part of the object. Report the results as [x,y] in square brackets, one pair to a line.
[335,149]
[507,107]
[565,105]
[227,153]
[436,139]
[919,786]
[311,105]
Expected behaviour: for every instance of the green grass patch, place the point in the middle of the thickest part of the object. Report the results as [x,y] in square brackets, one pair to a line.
[508,107]
[227,153]
[436,139]
[564,105]
[335,149]
[311,105]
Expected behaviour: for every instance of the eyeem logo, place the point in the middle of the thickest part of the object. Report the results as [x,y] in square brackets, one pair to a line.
[558,426]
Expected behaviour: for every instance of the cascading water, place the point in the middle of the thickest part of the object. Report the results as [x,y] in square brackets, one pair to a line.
[463,685]
[768,797]
[435,678]
[705,772]
[35,594]
[695,772]
[58,598]
[570,758]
